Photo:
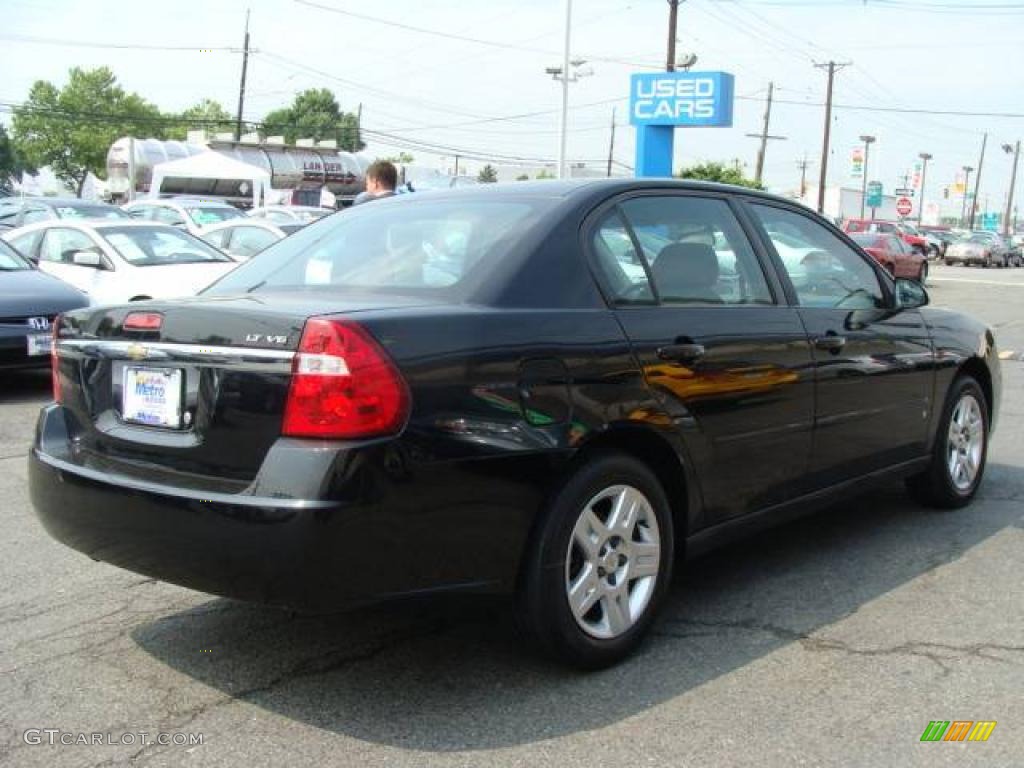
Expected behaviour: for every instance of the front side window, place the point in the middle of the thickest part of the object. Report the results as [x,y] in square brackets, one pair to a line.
[692,247]
[248,241]
[157,246]
[60,245]
[824,271]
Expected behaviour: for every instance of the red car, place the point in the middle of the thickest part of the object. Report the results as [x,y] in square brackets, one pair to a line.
[894,254]
[915,241]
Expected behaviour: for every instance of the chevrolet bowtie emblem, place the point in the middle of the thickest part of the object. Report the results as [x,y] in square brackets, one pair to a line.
[137,352]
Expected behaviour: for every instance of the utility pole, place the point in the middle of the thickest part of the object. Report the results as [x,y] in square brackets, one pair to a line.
[611,145]
[967,183]
[977,182]
[673,20]
[1008,225]
[359,127]
[925,157]
[868,141]
[802,165]
[763,135]
[563,171]
[241,85]
[832,68]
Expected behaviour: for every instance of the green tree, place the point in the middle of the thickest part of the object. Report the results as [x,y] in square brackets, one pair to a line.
[315,114]
[719,172]
[70,129]
[545,174]
[208,115]
[402,158]
[523,177]
[488,174]
[12,164]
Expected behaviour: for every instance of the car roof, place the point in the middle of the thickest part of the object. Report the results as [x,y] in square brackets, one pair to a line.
[247,221]
[87,224]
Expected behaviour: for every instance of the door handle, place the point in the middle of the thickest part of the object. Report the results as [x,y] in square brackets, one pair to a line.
[831,341]
[681,352]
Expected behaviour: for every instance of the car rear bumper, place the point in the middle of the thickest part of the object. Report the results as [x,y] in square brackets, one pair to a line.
[373,539]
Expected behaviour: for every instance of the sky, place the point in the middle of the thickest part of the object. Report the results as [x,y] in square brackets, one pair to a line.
[469,74]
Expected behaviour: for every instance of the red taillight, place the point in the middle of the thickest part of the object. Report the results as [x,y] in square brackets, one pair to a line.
[343,385]
[143,321]
[55,361]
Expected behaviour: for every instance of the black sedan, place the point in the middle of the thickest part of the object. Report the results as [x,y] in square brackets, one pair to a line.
[29,302]
[549,390]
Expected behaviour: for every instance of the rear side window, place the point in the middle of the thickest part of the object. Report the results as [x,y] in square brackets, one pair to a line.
[677,250]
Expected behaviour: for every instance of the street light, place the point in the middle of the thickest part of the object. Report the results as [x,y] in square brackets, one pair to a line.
[925,157]
[868,141]
[1007,224]
[968,170]
[569,72]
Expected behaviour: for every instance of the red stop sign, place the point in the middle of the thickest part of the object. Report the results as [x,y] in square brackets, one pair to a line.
[904,206]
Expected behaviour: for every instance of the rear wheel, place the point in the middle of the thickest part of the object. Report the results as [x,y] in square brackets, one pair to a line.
[961,448]
[599,565]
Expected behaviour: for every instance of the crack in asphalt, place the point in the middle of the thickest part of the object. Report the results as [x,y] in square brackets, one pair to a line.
[917,648]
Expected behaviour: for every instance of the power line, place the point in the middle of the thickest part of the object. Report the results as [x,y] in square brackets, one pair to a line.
[114,46]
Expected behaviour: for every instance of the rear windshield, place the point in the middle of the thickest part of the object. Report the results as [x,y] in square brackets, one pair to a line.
[203,215]
[868,239]
[418,245]
[90,212]
[159,246]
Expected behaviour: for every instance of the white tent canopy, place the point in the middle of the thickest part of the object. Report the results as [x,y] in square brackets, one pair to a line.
[215,166]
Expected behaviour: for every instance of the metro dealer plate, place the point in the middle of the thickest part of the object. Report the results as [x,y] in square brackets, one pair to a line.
[152,396]
[39,344]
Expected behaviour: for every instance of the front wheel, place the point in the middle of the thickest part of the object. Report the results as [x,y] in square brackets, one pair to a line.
[599,565]
[961,448]
[922,275]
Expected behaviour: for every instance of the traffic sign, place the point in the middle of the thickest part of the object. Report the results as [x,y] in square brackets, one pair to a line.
[874,196]
[904,206]
[903,192]
[990,222]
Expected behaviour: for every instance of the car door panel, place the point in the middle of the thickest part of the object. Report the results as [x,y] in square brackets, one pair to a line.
[874,364]
[732,368]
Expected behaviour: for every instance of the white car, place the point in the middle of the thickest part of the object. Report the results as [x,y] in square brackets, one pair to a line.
[289,214]
[115,261]
[191,214]
[243,238]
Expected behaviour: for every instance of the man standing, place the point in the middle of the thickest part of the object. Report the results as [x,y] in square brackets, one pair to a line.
[381,180]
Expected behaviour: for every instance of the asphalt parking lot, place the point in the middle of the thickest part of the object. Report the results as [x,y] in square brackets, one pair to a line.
[831,641]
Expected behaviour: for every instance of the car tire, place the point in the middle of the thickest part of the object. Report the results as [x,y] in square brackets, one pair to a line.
[922,275]
[585,545]
[950,262]
[961,449]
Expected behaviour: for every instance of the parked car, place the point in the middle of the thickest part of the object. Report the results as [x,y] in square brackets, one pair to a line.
[466,391]
[121,260]
[290,214]
[243,238]
[911,238]
[1014,250]
[192,215]
[17,212]
[942,235]
[986,249]
[29,302]
[892,253]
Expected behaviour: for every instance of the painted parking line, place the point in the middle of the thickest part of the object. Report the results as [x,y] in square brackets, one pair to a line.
[935,279]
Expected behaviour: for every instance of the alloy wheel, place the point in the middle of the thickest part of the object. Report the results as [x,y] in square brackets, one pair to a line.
[965,442]
[613,560]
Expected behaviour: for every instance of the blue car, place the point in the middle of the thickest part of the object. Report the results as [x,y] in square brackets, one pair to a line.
[29,301]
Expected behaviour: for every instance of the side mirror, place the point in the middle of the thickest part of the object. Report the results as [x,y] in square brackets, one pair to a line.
[910,294]
[87,259]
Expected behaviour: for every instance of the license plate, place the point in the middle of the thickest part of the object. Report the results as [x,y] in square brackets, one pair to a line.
[39,344]
[152,396]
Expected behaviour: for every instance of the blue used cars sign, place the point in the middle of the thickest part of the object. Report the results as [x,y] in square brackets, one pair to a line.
[696,99]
